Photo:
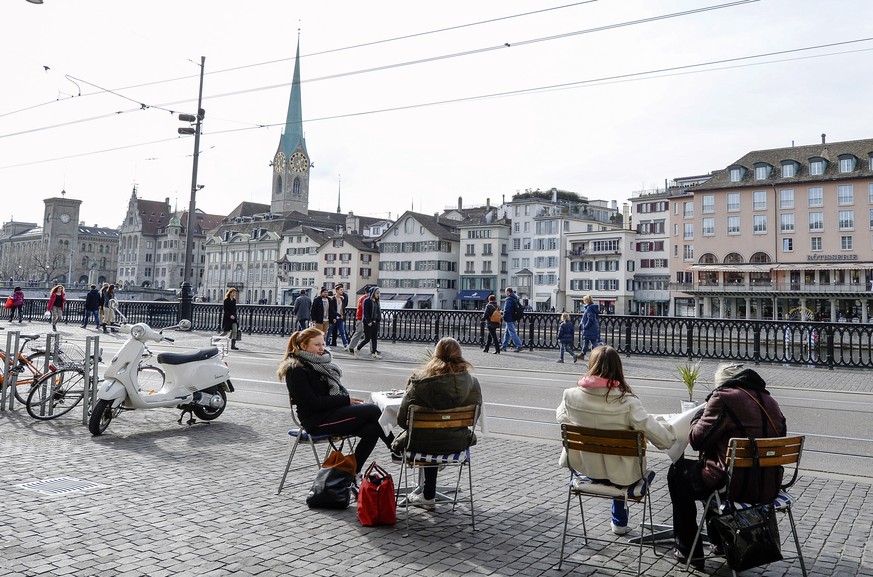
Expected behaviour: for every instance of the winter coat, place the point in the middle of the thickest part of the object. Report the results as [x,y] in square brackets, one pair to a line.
[303,308]
[92,300]
[56,301]
[591,323]
[509,308]
[18,298]
[732,411]
[565,333]
[486,316]
[588,405]
[341,305]
[311,393]
[439,392]
[229,310]
[372,310]
[318,313]
[359,310]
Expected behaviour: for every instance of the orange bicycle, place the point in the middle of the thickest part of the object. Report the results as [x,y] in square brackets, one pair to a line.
[30,368]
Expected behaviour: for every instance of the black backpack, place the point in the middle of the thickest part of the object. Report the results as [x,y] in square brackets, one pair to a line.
[518,311]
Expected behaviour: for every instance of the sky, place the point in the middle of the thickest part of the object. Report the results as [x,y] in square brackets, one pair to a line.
[413,105]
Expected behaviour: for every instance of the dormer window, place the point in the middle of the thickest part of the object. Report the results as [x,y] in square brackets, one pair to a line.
[789,169]
[762,171]
[816,166]
[736,174]
[848,163]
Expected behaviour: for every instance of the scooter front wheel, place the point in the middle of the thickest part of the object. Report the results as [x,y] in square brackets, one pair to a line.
[209,413]
[101,416]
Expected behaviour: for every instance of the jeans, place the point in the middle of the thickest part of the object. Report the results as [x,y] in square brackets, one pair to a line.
[565,347]
[89,314]
[589,344]
[18,310]
[510,334]
[339,326]
[302,324]
[492,337]
[619,513]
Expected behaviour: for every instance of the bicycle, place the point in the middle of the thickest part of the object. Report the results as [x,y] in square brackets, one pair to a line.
[28,367]
[56,393]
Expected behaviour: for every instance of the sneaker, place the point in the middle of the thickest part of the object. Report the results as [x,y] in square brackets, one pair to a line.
[376,356]
[560,361]
[356,484]
[418,500]
[618,529]
[518,350]
[353,352]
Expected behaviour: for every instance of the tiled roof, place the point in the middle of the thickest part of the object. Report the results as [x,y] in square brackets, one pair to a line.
[442,228]
[831,151]
[154,214]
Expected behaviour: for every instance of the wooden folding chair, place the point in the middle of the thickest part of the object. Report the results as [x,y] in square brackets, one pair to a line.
[771,452]
[419,418]
[298,433]
[623,443]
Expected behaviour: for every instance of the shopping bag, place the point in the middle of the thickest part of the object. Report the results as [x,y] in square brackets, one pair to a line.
[750,537]
[376,504]
[331,488]
[8,302]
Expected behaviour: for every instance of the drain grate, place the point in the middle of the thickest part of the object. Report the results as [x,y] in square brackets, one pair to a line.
[60,486]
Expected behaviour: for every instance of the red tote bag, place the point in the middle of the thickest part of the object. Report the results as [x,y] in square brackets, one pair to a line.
[376,505]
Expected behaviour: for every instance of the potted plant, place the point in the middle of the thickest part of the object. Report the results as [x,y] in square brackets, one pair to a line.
[689,373]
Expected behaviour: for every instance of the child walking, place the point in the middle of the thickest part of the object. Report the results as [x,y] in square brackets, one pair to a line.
[565,336]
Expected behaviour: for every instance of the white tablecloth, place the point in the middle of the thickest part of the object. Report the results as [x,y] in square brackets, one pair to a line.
[389,403]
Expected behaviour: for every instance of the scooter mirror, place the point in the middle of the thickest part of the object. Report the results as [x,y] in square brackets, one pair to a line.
[185,325]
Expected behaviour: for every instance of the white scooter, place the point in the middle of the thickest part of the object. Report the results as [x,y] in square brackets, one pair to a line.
[194,381]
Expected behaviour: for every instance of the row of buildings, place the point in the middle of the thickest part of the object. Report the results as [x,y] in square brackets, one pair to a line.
[778,233]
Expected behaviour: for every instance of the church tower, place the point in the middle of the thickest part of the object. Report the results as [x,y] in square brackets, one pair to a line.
[290,190]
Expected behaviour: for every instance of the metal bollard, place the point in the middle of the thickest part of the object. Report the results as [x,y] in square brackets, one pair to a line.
[92,360]
[9,383]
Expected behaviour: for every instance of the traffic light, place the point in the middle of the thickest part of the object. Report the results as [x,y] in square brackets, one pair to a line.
[192,119]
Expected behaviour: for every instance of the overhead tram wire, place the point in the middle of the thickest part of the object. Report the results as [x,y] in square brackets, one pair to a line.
[424,60]
[645,75]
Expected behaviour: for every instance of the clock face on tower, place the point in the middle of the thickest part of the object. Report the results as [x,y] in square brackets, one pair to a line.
[298,162]
[279,163]
[65,218]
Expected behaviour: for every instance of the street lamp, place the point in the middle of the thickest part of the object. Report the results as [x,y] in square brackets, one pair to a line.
[185,301]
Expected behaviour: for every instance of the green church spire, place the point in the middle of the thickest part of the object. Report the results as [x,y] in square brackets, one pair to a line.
[293,134]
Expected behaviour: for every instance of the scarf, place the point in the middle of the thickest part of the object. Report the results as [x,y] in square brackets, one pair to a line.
[323,364]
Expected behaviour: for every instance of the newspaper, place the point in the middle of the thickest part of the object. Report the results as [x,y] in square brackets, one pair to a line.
[680,423]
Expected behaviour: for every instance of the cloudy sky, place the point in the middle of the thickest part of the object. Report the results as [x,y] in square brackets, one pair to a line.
[414,104]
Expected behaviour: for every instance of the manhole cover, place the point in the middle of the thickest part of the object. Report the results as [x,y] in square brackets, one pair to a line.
[60,486]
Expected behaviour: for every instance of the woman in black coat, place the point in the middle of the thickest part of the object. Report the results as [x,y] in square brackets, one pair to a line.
[491,325]
[229,323]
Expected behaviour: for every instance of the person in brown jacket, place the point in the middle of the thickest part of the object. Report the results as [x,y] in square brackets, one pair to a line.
[740,406]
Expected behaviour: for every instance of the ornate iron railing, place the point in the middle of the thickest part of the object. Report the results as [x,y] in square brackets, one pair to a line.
[791,342]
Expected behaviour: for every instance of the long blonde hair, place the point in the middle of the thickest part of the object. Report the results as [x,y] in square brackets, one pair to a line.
[605,362]
[296,342]
[229,292]
[446,359]
[58,286]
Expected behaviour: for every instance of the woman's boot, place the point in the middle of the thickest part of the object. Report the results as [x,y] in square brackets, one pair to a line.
[233,345]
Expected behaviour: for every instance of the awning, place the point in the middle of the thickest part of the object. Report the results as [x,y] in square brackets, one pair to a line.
[392,305]
[422,298]
[763,267]
[824,266]
[542,299]
[473,295]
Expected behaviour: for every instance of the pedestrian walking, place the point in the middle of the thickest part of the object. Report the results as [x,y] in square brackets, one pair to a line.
[92,307]
[107,307]
[510,335]
[372,315]
[17,305]
[323,311]
[590,327]
[56,305]
[492,318]
[565,336]
[229,320]
[303,310]
[358,335]
[339,326]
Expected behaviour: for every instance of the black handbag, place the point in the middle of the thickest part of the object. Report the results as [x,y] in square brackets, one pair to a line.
[331,488]
[750,537]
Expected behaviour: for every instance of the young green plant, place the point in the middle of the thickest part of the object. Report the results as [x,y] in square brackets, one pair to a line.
[689,374]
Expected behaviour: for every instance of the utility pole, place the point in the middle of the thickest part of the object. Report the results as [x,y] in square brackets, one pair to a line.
[186,305]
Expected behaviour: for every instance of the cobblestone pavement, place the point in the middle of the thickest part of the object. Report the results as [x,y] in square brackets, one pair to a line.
[201,500]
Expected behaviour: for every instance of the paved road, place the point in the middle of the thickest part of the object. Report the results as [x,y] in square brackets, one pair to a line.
[177,500]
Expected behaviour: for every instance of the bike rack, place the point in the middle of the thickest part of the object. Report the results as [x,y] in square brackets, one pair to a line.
[13,342]
[92,359]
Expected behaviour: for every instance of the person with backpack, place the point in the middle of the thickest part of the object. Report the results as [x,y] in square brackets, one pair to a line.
[492,318]
[512,313]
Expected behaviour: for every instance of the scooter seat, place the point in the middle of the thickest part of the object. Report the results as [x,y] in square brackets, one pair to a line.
[189,357]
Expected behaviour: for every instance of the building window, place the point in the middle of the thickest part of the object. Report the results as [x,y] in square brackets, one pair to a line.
[688,209]
[846,243]
[871,218]
[845,194]
[788,170]
[816,196]
[708,228]
[816,221]
[787,244]
[759,200]
[708,204]
[688,231]
[816,167]
[815,243]
[733,225]
[847,164]
[786,222]
[761,172]
[847,219]
[736,174]
[733,201]
[786,198]
[760,224]
[688,252]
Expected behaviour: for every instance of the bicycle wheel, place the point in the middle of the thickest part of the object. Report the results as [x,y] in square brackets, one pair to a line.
[29,372]
[56,393]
